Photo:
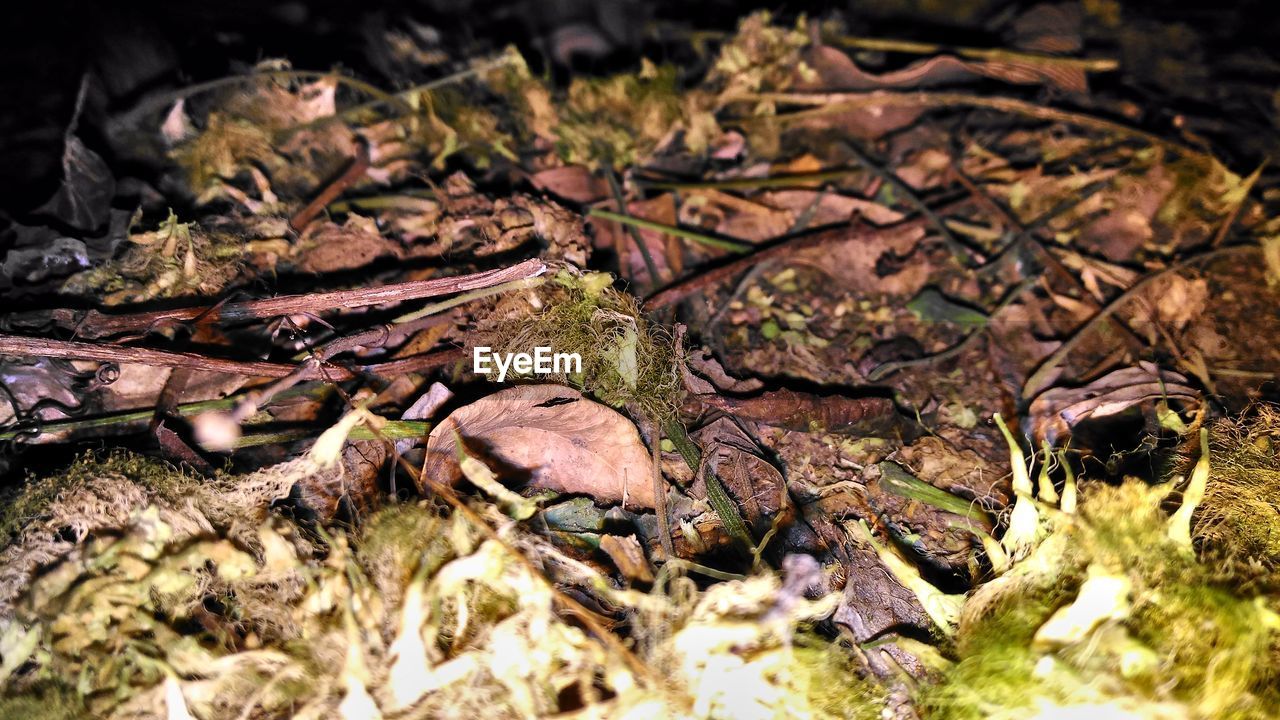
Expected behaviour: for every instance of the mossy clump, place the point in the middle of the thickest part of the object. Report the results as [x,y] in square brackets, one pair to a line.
[417,613]
[176,259]
[1240,515]
[626,362]
[269,136]
[1111,614]
[617,121]
[994,670]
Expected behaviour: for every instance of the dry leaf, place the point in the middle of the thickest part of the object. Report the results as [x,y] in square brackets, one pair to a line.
[575,183]
[554,438]
[1055,412]
[627,556]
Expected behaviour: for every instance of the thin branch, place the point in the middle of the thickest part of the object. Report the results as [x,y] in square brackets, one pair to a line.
[679,232]
[356,170]
[989,54]
[957,248]
[621,201]
[94,324]
[74,350]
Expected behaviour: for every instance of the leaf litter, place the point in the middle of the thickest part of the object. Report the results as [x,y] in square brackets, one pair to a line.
[806,289]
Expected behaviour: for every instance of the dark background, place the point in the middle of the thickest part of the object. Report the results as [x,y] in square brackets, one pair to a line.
[1209,69]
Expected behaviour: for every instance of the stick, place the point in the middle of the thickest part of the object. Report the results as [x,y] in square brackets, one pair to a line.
[831,103]
[356,170]
[72,350]
[94,324]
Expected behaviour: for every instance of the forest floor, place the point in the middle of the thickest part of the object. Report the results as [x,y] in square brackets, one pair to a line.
[829,375]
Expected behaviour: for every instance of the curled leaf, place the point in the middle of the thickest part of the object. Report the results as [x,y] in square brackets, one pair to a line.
[554,438]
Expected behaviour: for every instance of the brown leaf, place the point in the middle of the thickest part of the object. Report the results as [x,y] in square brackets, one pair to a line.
[735,217]
[331,247]
[859,262]
[756,486]
[575,183]
[627,556]
[1055,412]
[552,437]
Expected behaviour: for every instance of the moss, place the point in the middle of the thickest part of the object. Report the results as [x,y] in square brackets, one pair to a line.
[834,685]
[400,541]
[34,499]
[227,145]
[995,670]
[1239,517]
[617,121]
[625,361]
[456,124]
[174,260]
[44,701]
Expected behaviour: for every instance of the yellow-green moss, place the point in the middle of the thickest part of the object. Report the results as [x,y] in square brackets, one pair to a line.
[625,360]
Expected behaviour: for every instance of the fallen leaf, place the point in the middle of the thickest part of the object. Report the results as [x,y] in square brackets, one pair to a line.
[331,247]
[552,437]
[1055,412]
[83,201]
[575,183]
[627,556]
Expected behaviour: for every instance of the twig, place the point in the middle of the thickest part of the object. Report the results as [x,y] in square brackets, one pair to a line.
[989,54]
[435,308]
[1039,378]
[317,360]
[660,488]
[751,183]
[94,324]
[392,430]
[621,201]
[73,350]
[356,170]
[679,232]
[957,248]
[1025,234]
[139,416]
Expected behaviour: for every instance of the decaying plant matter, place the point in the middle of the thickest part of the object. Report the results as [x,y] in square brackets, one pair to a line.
[904,392]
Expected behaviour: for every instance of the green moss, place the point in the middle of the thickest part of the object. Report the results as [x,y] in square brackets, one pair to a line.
[45,701]
[625,361]
[22,506]
[1240,515]
[835,686]
[995,670]
[616,121]
[400,541]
